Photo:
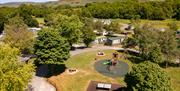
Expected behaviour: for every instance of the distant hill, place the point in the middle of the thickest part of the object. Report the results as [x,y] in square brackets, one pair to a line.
[16,4]
[70,2]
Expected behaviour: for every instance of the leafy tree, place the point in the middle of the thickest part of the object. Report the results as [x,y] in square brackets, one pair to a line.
[147,76]
[145,37]
[40,10]
[18,35]
[14,75]
[31,22]
[88,36]
[69,27]
[98,25]
[48,19]
[25,11]
[129,42]
[51,48]
[6,12]
[173,26]
[168,44]
[114,27]
[155,55]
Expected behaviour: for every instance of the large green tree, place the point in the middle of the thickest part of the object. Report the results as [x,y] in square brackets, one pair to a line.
[69,27]
[14,75]
[145,38]
[88,36]
[147,76]
[18,35]
[51,48]
[168,44]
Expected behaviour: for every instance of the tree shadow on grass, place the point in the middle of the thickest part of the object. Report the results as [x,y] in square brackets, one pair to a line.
[134,59]
[50,70]
[163,65]
[132,56]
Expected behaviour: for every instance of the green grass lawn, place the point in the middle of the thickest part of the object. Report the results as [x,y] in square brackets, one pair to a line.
[85,65]
[40,20]
[155,23]
[174,73]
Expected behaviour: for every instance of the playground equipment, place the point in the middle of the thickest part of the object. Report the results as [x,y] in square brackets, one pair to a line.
[112,67]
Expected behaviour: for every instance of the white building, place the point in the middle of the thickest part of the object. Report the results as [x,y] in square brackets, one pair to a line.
[100,40]
[103,33]
[34,29]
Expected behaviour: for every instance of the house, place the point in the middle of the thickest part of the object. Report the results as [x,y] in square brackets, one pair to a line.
[114,40]
[100,40]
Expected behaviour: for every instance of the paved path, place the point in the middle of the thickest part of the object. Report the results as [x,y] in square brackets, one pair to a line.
[95,48]
[39,82]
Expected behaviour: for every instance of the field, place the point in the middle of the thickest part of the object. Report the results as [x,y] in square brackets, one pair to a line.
[174,73]
[84,63]
[154,23]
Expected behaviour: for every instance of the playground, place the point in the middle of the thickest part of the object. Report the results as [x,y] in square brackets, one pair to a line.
[112,67]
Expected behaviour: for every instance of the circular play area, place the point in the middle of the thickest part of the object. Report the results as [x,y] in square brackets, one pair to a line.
[107,68]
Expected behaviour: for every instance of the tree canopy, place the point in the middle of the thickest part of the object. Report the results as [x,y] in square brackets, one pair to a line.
[25,11]
[147,76]
[14,75]
[51,48]
[18,35]
[69,27]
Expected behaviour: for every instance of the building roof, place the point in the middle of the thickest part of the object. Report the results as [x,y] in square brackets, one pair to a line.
[119,35]
[113,87]
[100,37]
[114,38]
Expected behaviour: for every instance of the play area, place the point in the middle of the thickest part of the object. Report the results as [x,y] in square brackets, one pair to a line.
[105,67]
[112,67]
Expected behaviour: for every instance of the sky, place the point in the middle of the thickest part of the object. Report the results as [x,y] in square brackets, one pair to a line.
[7,1]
